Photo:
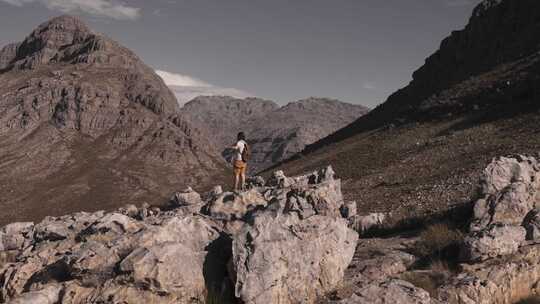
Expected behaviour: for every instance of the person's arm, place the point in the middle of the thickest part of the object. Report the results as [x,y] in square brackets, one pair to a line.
[236,147]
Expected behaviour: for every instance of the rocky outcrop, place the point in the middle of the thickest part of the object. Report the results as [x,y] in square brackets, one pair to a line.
[85,121]
[508,197]
[289,260]
[506,280]
[274,133]
[249,242]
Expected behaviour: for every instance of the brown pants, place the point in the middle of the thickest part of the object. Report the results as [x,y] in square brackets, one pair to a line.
[239,167]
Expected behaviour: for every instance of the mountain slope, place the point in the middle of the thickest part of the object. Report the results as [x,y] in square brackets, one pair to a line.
[474,99]
[274,133]
[84,125]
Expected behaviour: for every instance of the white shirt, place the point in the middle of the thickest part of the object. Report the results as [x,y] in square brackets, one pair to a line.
[240,146]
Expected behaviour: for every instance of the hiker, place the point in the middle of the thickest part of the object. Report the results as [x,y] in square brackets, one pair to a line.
[240,159]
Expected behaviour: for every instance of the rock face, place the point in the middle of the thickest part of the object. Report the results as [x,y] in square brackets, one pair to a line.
[252,244]
[274,133]
[84,124]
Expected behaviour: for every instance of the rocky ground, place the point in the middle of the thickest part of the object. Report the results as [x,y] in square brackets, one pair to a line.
[287,240]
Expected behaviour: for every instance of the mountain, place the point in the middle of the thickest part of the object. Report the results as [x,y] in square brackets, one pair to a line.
[275,133]
[475,98]
[86,125]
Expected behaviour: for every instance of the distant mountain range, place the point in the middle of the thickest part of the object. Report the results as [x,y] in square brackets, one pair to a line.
[275,133]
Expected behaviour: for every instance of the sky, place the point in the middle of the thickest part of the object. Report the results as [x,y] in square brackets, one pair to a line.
[359,51]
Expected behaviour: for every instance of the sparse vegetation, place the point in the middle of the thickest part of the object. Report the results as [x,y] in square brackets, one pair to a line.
[439,242]
[438,248]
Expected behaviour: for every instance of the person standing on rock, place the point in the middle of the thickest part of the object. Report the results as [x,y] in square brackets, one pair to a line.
[240,158]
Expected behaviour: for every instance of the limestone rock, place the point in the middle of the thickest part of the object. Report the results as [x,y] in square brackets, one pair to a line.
[494,241]
[234,206]
[509,190]
[185,198]
[288,260]
[168,268]
[14,236]
[363,223]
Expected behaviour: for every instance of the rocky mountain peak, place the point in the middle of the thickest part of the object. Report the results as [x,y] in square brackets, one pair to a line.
[484,6]
[66,39]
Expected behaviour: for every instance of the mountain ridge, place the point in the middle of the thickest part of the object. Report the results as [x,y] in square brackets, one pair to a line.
[85,125]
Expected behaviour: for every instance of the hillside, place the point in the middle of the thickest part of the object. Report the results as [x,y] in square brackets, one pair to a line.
[86,125]
[474,99]
[275,133]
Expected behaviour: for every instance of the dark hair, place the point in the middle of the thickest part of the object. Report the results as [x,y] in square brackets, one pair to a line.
[241,136]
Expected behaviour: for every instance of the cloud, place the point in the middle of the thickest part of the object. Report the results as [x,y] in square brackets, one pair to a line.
[369,86]
[185,88]
[453,3]
[173,79]
[100,8]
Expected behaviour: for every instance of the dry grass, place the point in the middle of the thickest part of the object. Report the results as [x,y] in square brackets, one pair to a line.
[438,241]
[438,273]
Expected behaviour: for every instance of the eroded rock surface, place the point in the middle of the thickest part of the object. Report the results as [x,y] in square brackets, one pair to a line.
[509,194]
[252,242]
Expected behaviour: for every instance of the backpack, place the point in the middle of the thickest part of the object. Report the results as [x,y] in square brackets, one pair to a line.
[246,153]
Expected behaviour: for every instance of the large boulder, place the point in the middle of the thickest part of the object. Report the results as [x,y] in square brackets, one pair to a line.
[234,206]
[168,268]
[496,240]
[288,260]
[508,192]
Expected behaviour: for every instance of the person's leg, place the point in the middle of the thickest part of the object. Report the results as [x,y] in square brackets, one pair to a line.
[236,173]
[243,180]
[236,181]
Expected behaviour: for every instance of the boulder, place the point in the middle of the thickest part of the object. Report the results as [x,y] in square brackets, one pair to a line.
[50,294]
[114,223]
[186,198]
[167,268]
[15,236]
[288,260]
[52,231]
[193,231]
[92,262]
[234,206]
[363,223]
[129,210]
[494,241]
[508,192]
[532,225]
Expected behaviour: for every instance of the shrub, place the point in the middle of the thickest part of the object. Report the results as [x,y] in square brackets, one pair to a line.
[439,242]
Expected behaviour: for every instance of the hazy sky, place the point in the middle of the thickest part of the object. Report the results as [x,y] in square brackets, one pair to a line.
[358,51]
